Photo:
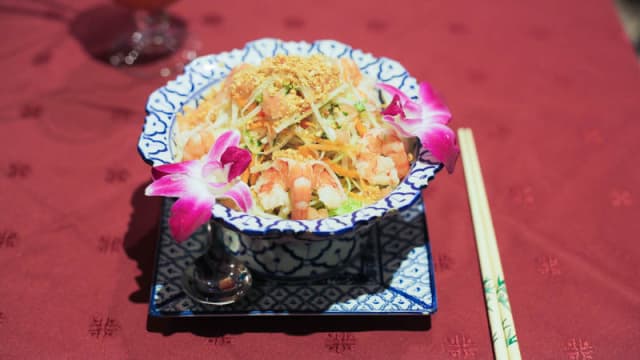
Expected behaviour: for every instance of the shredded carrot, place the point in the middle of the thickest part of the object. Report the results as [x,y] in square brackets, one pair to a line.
[360,127]
[241,101]
[341,170]
[330,147]
[305,151]
[252,107]
[245,175]
[257,124]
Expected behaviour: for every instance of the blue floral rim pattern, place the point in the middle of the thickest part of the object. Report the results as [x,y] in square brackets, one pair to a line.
[155,143]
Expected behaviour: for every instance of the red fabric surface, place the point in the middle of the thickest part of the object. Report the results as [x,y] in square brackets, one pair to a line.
[550,89]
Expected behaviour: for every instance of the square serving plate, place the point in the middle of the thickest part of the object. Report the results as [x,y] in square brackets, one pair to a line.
[392,275]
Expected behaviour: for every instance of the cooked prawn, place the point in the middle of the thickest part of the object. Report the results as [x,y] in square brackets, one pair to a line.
[351,71]
[198,145]
[383,159]
[272,189]
[300,179]
[275,105]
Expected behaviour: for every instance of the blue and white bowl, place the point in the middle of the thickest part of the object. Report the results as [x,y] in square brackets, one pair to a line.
[278,247]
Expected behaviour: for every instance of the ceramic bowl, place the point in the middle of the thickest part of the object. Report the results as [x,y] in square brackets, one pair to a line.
[278,247]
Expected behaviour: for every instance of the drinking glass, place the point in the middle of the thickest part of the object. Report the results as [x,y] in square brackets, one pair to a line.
[160,44]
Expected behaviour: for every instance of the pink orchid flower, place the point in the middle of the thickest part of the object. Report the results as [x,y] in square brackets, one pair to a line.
[426,119]
[198,183]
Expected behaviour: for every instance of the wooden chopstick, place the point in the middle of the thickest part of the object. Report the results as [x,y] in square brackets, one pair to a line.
[503,331]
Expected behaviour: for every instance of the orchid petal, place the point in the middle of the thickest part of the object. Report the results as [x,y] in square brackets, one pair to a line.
[398,126]
[394,91]
[241,194]
[394,107]
[433,107]
[188,214]
[209,169]
[413,124]
[223,142]
[218,188]
[408,127]
[239,160]
[178,185]
[438,117]
[174,185]
[440,140]
[412,108]
[185,167]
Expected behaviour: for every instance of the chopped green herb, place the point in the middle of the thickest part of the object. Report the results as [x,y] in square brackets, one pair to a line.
[288,88]
[331,107]
[345,113]
[259,99]
[360,106]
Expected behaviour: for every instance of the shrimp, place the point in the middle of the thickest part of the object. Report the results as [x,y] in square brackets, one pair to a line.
[394,148]
[310,176]
[327,185]
[351,71]
[275,105]
[300,184]
[198,145]
[383,159]
[301,178]
[272,189]
[239,87]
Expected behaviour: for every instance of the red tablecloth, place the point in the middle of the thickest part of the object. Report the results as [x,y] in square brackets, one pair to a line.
[550,88]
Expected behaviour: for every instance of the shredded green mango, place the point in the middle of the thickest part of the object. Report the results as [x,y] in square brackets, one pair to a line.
[348,206]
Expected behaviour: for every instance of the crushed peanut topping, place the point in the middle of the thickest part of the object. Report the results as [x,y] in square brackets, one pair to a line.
[315,75]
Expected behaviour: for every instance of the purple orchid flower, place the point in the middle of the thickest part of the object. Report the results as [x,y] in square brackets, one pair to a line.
[426,119]
[198,183]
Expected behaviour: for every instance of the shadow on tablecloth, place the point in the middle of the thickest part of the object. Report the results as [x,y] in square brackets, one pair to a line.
[141,240]
[292,325]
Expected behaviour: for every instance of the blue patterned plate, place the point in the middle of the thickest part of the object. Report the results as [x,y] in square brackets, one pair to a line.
[155,144]
[392,275]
